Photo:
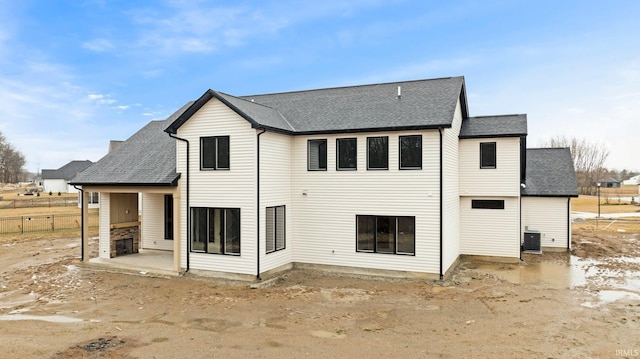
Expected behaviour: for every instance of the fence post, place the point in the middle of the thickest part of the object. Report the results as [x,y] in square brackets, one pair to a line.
[22,226]
[53,223]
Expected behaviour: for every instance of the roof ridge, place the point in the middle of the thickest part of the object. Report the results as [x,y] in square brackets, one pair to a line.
[349,86]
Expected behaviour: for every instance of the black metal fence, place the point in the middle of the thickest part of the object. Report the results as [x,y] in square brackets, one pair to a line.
[45,223]
[40,202]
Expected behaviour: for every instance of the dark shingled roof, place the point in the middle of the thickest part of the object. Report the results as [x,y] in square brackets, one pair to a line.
[494,126]
[422,104]
[550,173]
[66,172]
[148,158]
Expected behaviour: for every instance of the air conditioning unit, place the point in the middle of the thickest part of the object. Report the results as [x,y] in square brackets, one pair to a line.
[532,241]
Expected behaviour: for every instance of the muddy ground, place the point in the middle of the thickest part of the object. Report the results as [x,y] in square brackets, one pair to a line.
[555,305]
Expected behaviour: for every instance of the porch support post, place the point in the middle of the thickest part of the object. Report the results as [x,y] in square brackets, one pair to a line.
[177,234]
[85,226]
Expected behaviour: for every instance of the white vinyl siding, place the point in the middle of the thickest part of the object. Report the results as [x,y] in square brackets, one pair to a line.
[54,186]
[104,231]
[490,232]
[152,223]
[234,188]
[325,205]
[504,180]
[548,215]
[451,195]
[275,190]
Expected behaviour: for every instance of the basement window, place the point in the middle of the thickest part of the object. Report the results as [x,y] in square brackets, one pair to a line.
[487,204]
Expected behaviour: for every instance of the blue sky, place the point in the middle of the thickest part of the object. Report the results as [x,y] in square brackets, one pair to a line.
[76,74]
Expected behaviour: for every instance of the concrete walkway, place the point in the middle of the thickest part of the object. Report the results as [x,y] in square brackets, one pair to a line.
[147,261]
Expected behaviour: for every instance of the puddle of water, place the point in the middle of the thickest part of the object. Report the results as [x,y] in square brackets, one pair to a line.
[575,272]
[44,318]
[610,296]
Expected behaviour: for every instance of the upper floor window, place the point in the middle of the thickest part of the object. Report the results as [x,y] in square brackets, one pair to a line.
[378,153]
[411,152]
[487,155]
[317,155]
[487,204]
[347,153]
[214,153]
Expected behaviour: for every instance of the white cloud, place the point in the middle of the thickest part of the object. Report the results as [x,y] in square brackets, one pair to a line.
[122,107]
[99,45]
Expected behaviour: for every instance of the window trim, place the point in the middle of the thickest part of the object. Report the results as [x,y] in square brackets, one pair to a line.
[309,155]
[369,168]
[216,166]
[275,228]
[400,153]
[495,155]
[338,168]
[395,239]
[223,242]
[487,204]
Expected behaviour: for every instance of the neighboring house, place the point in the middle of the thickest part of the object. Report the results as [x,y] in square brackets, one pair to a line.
[631,181]
[392,178]
[609,183]
[55,181]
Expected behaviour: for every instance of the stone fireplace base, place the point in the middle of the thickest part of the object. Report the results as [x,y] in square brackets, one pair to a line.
[121,232]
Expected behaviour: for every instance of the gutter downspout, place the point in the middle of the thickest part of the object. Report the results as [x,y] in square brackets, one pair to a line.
[568,224]
[258,205]
[188,223]
[441,203]
[82,219]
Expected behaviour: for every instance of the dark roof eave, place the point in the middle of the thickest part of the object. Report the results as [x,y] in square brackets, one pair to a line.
[173,183]
[550,195]
[373,129]
[493,136]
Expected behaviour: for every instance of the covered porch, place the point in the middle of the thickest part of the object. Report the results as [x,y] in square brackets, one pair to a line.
[138,228]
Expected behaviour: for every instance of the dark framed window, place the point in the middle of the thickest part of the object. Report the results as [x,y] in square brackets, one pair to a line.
[317,155]
[487,204]
[487,155]
[215,230]
[346,154]
[168,216]
[214,153]
[386,234]
[378,153]
[94,197]
[411,152]
[275,228]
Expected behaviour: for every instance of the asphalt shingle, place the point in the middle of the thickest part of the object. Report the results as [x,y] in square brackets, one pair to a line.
[494,126]
[146,158]
[66,172]
[550,173]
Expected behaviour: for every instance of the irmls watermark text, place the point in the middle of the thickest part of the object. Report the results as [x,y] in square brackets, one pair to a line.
[628,352]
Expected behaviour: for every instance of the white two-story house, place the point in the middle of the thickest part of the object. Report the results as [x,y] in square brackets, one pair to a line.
[393,178]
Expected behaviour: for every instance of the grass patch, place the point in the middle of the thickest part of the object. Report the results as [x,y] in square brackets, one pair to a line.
[590,204]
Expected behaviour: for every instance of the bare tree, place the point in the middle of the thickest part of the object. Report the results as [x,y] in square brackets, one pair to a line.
[11,162]
[588,158]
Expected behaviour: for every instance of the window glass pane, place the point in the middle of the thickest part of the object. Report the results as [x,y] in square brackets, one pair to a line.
[317,156]
[488,155]
[232,228]
[411,151]
[168,216]
[270,230]
[199,228]
[215,231]
[406,235]
[347,153]
[378,152]
[207,152]
[487,204]
[223,152]
[385,234]
[280,227]
[366,231]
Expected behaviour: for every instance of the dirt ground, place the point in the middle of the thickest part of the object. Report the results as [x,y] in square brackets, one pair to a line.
[554,305]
